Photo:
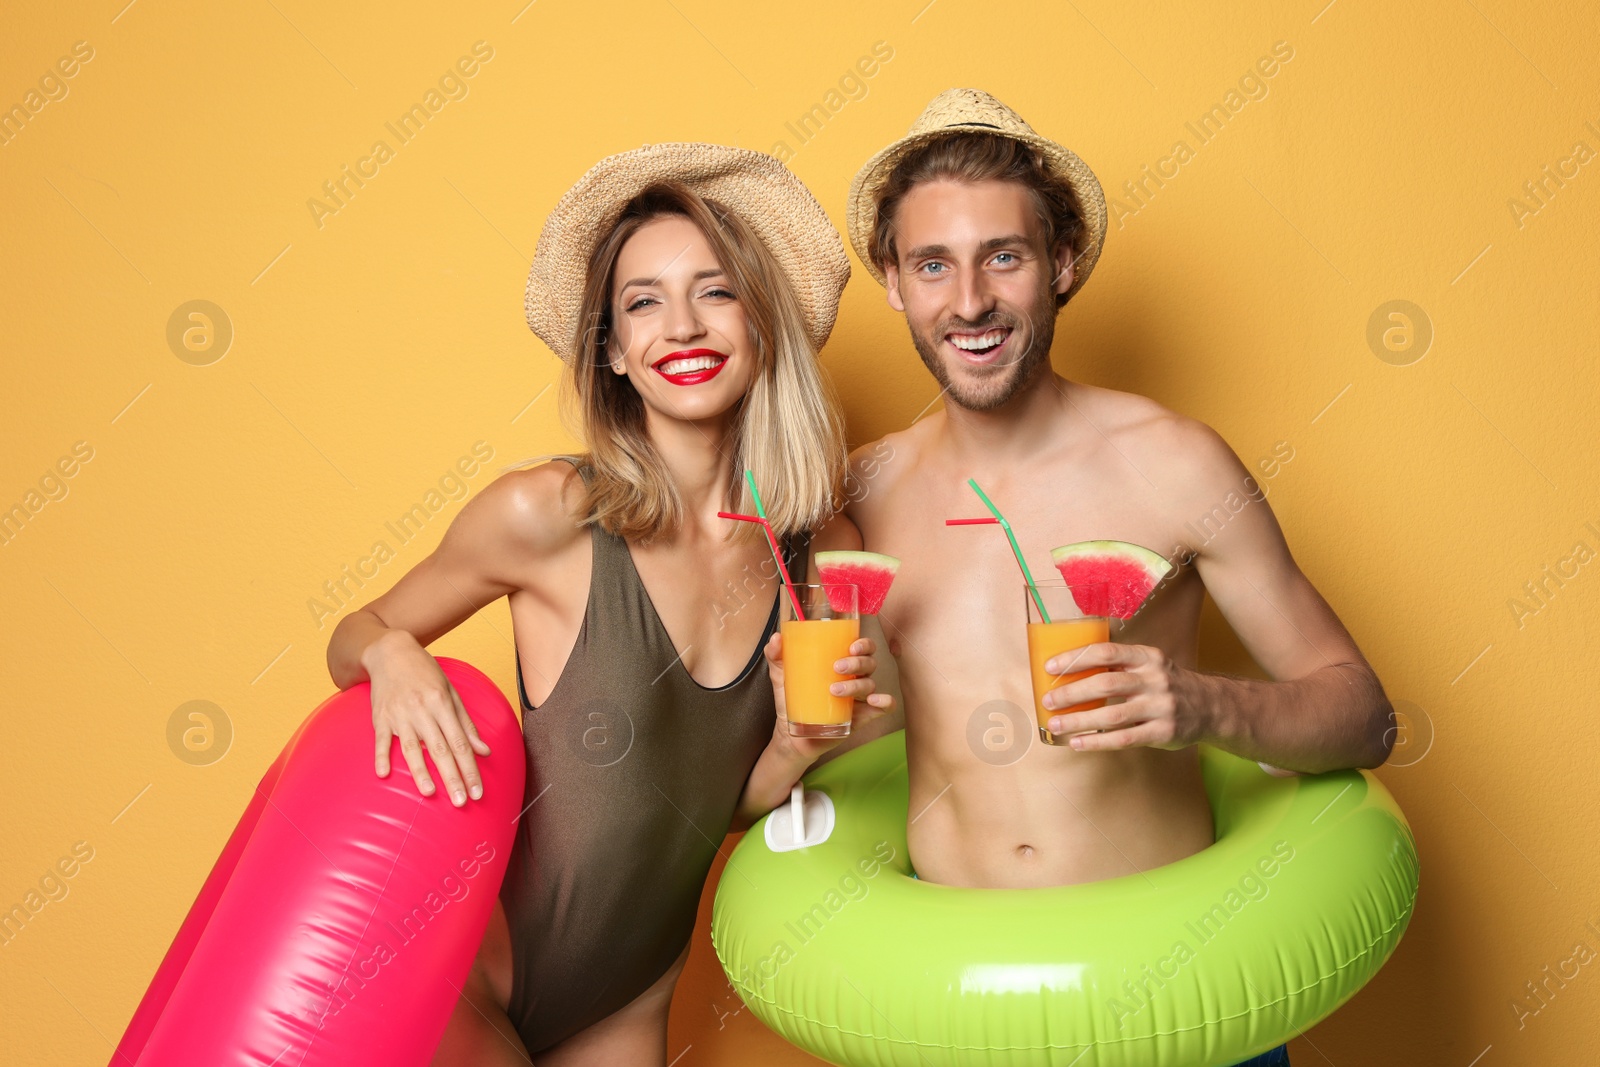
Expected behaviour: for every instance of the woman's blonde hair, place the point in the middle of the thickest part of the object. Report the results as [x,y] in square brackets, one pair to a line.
[787,428]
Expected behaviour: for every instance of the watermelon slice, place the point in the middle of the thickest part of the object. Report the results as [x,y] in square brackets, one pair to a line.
[1110,578]
[871,572]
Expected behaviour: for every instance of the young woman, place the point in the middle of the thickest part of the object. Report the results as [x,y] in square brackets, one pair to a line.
[688,288]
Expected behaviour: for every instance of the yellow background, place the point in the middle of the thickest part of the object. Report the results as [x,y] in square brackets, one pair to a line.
[372,352]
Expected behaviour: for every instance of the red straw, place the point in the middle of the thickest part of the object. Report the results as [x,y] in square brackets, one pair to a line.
[776,554]
[1016,549]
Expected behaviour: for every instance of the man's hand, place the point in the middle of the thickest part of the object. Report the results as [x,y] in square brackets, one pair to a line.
[868,705]
[1162,704]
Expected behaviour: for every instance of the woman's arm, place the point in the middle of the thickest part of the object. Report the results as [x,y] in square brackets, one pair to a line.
[842,535]
[484,555]
[786,758]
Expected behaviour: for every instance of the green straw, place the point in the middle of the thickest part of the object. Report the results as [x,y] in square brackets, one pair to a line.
[750,479]
[1015,549]
[761,512]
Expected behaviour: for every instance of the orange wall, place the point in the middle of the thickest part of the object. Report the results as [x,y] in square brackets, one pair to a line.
[372,347]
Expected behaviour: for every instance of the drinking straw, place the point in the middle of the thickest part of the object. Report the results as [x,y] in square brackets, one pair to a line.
[1015,549]
[761,517]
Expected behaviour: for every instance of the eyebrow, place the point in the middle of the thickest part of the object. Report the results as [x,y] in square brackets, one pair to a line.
[1010,239]
[709,272]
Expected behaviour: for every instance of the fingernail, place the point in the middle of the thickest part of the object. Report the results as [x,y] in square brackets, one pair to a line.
[477,791]
[1076,742]
[459,797]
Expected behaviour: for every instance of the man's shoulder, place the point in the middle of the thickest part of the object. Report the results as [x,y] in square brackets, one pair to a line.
[878,467]
[1186,451]
[1148,424]
[891,456]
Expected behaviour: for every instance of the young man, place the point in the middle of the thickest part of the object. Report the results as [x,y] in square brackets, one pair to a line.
[981,230]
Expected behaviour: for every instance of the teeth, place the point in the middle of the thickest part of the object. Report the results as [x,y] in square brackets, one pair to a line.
[684,366]
[972,344]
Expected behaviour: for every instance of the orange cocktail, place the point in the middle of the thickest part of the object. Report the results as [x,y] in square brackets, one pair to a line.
[810,647]
[1068,630]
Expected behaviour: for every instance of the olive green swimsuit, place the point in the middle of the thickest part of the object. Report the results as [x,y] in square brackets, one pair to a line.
[634,774]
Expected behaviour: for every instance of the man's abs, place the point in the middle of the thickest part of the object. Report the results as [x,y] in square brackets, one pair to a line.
[1053,817]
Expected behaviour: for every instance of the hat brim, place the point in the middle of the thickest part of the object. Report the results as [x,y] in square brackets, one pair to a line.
[861,213]
[765,194]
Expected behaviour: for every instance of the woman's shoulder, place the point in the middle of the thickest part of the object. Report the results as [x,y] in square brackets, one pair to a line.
[536,506]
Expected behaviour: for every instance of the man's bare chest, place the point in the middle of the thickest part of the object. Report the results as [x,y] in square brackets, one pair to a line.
[960,591]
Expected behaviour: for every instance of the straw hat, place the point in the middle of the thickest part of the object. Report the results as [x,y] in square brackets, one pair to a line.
[960,110]
[755,186]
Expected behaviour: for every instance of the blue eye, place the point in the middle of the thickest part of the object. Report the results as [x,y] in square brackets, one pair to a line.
[932,268]
[1004,255]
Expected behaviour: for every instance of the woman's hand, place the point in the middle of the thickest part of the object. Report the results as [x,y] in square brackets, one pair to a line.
[786,758]
[868,703]
[414,701]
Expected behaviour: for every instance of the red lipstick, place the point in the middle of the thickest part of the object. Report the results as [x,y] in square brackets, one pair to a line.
[691,377]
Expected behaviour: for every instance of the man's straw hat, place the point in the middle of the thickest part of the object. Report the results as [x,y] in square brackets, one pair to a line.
[973,110]
[757,187]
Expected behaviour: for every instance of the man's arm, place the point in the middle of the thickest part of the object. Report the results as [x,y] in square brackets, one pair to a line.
[1324,711]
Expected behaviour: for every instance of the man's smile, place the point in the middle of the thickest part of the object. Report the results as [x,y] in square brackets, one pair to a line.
[980,347]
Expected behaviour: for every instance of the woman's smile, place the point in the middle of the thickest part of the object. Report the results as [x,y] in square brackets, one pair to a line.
[690,366]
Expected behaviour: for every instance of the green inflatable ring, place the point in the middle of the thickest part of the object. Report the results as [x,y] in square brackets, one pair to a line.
[1202,963]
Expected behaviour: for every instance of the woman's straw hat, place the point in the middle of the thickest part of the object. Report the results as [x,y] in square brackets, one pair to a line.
[973,110]
[757,187]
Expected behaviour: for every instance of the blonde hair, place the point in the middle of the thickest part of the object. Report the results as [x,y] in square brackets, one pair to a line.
[787,428]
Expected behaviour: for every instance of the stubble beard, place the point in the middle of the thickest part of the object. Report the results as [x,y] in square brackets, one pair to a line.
[988,388]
